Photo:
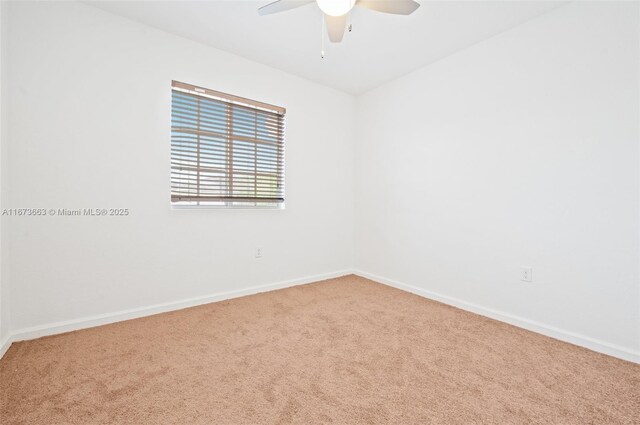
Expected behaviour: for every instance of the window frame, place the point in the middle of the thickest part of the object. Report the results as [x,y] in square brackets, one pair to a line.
[230,140]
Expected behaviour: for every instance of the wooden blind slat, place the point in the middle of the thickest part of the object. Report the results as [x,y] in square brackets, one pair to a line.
[229,97]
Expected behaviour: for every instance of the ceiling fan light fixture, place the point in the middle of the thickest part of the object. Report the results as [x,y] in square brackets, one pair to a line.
[336,7]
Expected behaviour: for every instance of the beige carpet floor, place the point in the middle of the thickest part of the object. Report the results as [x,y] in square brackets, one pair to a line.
[342,351]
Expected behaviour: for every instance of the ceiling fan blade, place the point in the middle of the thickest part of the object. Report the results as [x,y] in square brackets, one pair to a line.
[281,6]
[335,27]
[395,7]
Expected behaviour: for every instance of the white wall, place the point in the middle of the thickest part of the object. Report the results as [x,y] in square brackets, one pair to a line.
[89,127]
[519,151]
[3,298]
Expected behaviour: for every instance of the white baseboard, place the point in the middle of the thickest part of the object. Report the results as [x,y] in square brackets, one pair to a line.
[5,344]
[118,316]
[541,328]
[104,319]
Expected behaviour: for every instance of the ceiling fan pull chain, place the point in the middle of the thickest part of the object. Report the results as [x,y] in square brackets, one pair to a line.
[322,38]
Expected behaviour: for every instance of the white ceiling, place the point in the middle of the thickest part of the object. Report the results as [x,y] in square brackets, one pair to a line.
[380,48]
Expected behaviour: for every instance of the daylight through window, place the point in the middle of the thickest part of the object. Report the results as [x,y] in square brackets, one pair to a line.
[225,150]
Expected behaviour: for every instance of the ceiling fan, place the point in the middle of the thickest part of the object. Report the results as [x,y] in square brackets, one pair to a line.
[336,11]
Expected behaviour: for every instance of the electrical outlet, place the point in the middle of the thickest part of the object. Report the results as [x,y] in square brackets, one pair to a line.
[258,252]
[526,274]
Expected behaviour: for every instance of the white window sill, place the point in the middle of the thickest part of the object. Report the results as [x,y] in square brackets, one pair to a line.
[227,207]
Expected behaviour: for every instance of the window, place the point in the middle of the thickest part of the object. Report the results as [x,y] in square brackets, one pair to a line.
[225,150]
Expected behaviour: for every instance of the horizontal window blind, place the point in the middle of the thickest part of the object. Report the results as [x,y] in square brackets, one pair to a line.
[225,150]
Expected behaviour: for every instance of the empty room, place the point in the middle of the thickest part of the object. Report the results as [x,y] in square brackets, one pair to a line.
[309,212]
